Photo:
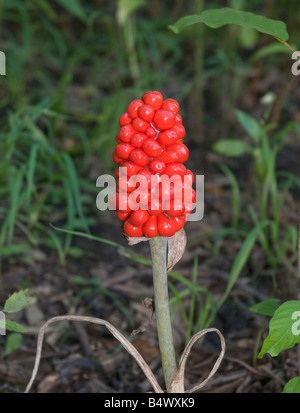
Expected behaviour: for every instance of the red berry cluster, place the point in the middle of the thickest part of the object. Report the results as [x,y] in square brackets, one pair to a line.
[150,144]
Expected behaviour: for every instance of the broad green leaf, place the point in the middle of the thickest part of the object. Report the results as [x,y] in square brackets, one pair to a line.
[248,37]
[12,343]
[74,7]
[292,386]
[12,326]
[267,307]
[232,147]
[219,17]
[284,329]
[250,124]
[17,301]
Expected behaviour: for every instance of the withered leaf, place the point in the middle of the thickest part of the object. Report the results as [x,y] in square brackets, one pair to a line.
[176,248]
[136,240]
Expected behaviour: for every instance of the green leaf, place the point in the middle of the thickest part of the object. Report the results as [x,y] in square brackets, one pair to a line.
[269,50]
[127,7]
[17,301]
[292,386]
[267,307]
[232,147]
[13,342]
[250,124]
[284,329]
[12,326]
[74,7]
[219,17]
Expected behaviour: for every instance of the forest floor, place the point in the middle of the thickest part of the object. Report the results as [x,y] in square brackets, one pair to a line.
[81,357]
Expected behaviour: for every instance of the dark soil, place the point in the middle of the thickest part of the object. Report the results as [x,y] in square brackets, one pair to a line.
[85,358]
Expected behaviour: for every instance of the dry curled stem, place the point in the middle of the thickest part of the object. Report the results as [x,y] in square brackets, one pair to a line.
[115,332]
[177,384]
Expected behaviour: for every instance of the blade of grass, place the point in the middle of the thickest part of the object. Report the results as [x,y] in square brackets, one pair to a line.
[75,187]
[30,173]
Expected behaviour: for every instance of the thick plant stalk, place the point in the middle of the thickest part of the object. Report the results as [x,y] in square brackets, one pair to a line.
[158,248]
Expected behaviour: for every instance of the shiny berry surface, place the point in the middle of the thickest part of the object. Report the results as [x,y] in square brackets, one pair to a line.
[167,137]
[133,108]
[164,119]
[150,146]
[172,105]
[146,112]
[139,157]
[154,99]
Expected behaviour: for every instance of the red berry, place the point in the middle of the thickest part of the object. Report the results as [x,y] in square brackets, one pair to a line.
[178,118]
[180,130]
[133,107]
[122,202]
[164,119]
[138,139]
[151,132]
[118,140]
[132,231]
[132,168]
[165,191]
[123,215]
[125,119]
[116,158]
[157,166]
[166,227]
[189,174]
[169,156]
[182,151]
[123,150]
[176,208]
[139,199]
[139,157]
[154,99]
[139,217]
[150,229]
[183,218]
[125,184]
[173,169]
[126,133]
[140,124]
[152,148]
[172,105]
[155,206]
[146,112]
[178,223]
[150,179]
[167,137]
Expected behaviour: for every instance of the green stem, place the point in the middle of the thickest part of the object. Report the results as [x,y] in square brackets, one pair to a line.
[285,44]
[158,248]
